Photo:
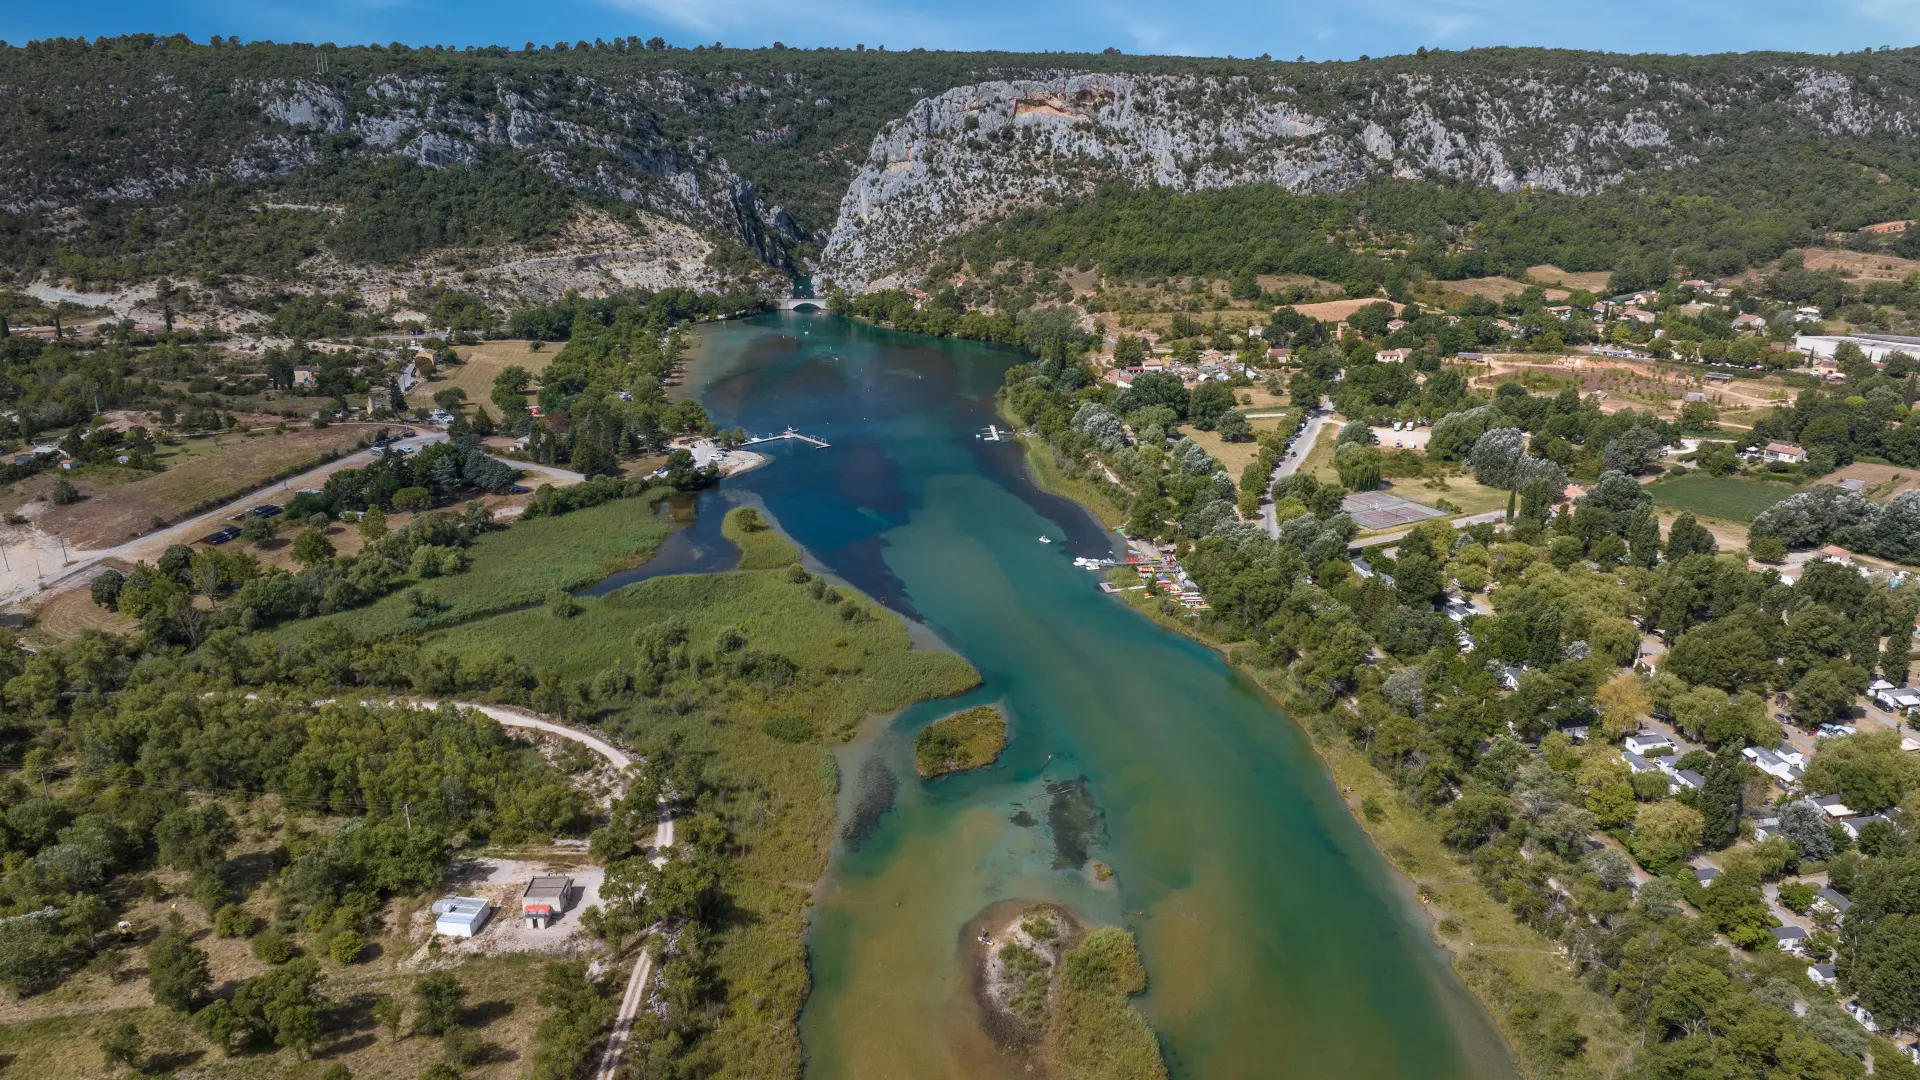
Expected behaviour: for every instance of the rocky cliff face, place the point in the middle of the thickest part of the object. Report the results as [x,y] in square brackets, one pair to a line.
[600,137]
[963,156]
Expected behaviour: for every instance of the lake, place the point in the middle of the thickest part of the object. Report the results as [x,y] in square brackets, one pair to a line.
[1277,941]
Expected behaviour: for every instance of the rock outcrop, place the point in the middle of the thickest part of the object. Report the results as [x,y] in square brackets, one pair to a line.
[968,154]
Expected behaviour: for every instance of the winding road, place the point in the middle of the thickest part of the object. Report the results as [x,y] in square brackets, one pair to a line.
[636,992]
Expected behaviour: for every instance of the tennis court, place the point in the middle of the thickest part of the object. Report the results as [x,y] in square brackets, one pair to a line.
[1379,510]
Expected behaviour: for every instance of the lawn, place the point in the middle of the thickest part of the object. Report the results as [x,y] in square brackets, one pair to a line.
[117,509]
[519,566]
[1718,496]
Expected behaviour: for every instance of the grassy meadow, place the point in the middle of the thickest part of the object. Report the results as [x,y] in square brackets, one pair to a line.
[761,545]
[518,566]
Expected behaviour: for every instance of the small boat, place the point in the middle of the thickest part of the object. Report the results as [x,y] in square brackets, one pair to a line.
[1046,540]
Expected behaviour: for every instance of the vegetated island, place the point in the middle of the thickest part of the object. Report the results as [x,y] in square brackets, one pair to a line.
[1056,995]
[971,739]
[762,547]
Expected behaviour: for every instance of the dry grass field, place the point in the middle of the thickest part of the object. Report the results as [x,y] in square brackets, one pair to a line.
[63,616]
[1234,455]
[1881,482]
[1593,281]
[1336,310]
[114,510]
[1496,288]
[483,362]
[1860,266]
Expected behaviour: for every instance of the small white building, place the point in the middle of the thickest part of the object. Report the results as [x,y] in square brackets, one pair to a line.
[1648,743]
[461,916]
[1822,974]
[1787,452]
[1790,939]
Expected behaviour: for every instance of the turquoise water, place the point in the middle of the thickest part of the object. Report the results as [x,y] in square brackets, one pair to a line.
[1276,939]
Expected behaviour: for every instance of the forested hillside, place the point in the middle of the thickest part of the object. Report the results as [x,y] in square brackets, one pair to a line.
[127,159]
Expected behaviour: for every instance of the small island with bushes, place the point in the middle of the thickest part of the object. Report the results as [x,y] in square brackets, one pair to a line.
[1057,995]
[966,740]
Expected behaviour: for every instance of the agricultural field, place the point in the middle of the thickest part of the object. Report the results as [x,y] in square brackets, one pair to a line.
[119,504]
[1725,497]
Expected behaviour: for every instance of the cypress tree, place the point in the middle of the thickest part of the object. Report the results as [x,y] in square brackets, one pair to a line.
[1720,799]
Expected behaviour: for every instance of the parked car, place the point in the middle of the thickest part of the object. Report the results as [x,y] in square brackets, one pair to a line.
[221,536]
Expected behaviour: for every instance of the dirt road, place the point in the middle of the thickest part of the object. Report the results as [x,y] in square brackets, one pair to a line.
[23,578]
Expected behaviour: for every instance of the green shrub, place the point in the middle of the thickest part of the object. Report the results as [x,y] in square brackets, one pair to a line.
[273,947]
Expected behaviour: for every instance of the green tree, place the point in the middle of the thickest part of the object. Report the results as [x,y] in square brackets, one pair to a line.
[1664,833]
[257,531]
[1722,798]
[1868,771]
[311,547]
[390,1013]
[346,947]
[373,524]
[1358,466]
[1822,695]
[437,998]
[122,1046]
[177,972]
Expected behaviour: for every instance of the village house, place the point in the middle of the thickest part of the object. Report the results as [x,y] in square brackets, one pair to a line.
[1278,354]
[303,376]
[1833,902]
[1393,356]
[1790,939]
[1779,451]
[1638,315]
[1747,320]
[1822,974]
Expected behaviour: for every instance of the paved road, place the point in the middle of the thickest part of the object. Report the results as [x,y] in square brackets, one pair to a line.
[21,585]
[1297,452]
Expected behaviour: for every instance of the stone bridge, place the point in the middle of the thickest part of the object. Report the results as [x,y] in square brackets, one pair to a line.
[803,303]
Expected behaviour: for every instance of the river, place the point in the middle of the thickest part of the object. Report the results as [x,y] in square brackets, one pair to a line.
[1276,939]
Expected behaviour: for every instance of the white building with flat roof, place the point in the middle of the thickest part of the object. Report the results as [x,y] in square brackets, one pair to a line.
[461,916]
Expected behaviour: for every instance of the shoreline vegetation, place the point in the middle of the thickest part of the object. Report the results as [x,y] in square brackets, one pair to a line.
[737,682]
[960,742]
[1058,996]
[1508,967]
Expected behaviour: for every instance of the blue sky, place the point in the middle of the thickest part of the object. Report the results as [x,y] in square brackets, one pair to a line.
[1283,28]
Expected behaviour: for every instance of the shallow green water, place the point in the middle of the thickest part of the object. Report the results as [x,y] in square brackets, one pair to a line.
[1276,939]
